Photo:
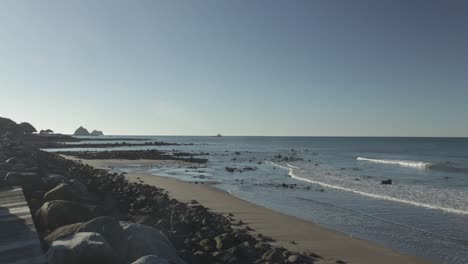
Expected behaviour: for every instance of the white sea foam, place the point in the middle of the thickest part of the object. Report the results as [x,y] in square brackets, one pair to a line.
[378,193]
[403,163]
[292,166]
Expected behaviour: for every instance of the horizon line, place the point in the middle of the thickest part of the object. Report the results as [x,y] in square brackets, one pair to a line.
[343,136]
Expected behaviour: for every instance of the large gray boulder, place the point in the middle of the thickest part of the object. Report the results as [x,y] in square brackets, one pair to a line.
[22,179]
[52,180]
[144,240]
[78,186]
[87,248]
[61,232]
[66,191]
[151,259]
[58,213]
[111,230]
[12,160]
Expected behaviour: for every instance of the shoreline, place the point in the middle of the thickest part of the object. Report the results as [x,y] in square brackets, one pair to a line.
[306,236]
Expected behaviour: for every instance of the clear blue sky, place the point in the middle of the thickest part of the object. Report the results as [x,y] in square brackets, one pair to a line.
[358,68]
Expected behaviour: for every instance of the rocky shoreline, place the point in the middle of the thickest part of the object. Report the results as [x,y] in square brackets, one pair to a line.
[110,145]
[137,155]
[85,214]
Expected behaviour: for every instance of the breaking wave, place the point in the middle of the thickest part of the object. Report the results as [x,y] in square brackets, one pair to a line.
[445,167]
[403,163]
[370,194]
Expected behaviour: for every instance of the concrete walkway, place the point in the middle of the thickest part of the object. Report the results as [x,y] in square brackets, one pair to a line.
[19,242]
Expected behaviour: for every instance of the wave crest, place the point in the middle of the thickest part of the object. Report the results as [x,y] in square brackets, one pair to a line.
[402,163]
[371,194]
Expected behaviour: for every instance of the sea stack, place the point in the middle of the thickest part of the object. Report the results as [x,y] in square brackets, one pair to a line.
[97,133]
[81,131]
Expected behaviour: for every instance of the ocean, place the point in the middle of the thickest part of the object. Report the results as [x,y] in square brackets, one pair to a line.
[337,182]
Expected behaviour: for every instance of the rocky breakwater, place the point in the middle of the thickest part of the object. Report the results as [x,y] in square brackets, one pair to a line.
[86,215]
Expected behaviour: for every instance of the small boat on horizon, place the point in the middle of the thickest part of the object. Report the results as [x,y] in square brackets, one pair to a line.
[219,135]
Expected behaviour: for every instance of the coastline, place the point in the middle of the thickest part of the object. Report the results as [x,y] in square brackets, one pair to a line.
[307,236]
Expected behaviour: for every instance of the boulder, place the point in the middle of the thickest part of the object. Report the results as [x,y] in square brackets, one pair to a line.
[274,255]
[89,248]
[58,213]
[207,244]
[22,179]
[111,230]
[63,191]
[224,241]
[12,160]
[144,240]
[52,180]
[78,187]
[62,232]
[151,259]
[300,259]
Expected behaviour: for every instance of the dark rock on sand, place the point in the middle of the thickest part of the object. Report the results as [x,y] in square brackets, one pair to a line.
[88,248]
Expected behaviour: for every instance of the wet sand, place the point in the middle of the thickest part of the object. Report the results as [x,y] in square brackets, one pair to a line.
[307,236]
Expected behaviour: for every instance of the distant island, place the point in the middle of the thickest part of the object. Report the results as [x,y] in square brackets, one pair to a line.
[81,131]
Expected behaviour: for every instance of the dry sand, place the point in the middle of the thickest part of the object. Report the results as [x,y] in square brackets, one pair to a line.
[309,237]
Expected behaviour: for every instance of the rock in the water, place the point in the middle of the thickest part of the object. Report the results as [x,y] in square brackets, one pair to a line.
[61,232]
[387,181]
[58,213]
[151,259]
[144,240]
[88,248]
[64,191]
[111,230]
